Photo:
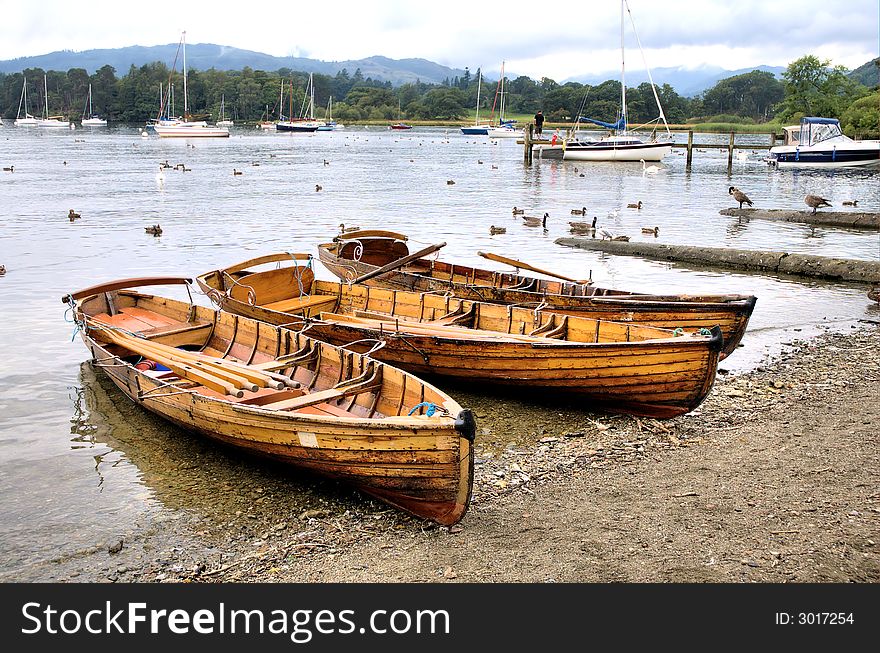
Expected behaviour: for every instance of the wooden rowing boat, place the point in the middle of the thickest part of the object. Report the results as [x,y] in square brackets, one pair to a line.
[284,395]
[613,366]
[358,253]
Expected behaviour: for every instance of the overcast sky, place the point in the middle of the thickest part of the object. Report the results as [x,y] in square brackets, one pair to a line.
[563,40]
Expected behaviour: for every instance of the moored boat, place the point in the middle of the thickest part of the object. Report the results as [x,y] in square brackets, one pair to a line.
[610,366]
[820,143]
[281,394]
[358,253]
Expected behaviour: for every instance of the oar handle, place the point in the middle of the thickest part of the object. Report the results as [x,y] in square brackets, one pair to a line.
[399,262]
[125,283]
[525,266]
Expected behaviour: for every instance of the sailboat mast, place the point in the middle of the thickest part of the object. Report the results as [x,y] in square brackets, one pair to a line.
[479,82]
[501,106]
[46,93]
[185,103]
[622,73]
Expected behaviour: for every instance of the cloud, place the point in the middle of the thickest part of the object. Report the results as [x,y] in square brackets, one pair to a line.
[535,39]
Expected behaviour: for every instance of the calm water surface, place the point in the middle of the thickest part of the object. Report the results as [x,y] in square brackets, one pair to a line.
[80,465]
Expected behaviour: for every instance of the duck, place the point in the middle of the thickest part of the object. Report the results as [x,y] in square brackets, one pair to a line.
[2,270]
[449,182]
[581,211]
[651,230]
[480,161]
[165,165]
[326,162]
[607,235]
[517,211]
[873,293]
[255,163]
[344,230]
[739,196]
[531,221]
[816,202]
[318,188]
[651,170]
[497,230]
[236,172]
[845,203]
[155,229]
[638,205]
[73,215]
[583,227]
[9,169]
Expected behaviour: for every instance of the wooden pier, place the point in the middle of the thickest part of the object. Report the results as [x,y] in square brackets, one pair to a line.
[529,140]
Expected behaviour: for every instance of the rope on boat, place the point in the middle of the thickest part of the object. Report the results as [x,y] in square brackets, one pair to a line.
[704,332]
[678,332]
[431,409]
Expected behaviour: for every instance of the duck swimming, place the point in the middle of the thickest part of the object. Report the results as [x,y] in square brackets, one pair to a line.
[582,211]
[651,230]
[532,221]
[497,230]
[635,206]
[155,229]
[73,215]
[517,211]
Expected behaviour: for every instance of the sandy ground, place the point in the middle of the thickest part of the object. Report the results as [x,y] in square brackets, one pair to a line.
[775,478]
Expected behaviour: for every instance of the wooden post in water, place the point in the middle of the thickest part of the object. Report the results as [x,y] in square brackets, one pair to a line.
[690,152]
[527,143]
[730,154]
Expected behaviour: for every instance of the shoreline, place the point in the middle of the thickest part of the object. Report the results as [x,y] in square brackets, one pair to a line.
[774,478]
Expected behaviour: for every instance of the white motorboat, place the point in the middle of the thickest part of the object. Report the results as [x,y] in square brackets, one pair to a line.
[820,143]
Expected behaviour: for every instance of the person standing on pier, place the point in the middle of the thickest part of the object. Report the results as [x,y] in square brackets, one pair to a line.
[539,122]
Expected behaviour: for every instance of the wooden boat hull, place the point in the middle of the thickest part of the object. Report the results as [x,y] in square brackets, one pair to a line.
[613,366]
[421,464]
[352,258]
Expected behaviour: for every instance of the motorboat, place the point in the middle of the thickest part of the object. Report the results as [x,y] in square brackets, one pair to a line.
[820,143]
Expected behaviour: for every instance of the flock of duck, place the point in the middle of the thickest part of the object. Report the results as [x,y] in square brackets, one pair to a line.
[813,201]
[575,227]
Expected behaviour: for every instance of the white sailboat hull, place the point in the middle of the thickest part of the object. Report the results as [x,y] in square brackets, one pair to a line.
[613,152]
[190,130]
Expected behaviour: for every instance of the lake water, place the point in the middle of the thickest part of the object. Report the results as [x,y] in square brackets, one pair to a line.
[79,464]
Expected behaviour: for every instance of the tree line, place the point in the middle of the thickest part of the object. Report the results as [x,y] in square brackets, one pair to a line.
[809,87]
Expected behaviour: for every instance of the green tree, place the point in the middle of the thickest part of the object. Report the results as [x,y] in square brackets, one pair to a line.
[813,88]
[862,118]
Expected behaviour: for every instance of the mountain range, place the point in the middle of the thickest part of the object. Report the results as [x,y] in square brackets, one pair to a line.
[687,82]
[203,56]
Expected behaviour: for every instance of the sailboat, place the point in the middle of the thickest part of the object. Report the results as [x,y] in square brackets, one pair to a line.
[399,124]
[27,120]
[223,122]
[620,145]
[329,124]
[265,123]
[505,128]
[477,129]
[51,121]
[92,120]
[186,128]
[305,123]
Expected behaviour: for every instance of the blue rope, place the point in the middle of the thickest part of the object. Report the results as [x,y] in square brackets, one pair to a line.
[432,408]
[704,332]
[678,332]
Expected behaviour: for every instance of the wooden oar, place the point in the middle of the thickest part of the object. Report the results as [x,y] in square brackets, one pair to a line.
[399,262]
[526,266]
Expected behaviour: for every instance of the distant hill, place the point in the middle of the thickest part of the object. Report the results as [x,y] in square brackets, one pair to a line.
[203,56]
[868,73]
[686,82]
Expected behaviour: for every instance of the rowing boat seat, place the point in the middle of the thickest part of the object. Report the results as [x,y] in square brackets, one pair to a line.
[301,304]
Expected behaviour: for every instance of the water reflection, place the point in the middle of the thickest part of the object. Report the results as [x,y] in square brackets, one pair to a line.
[185,471]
